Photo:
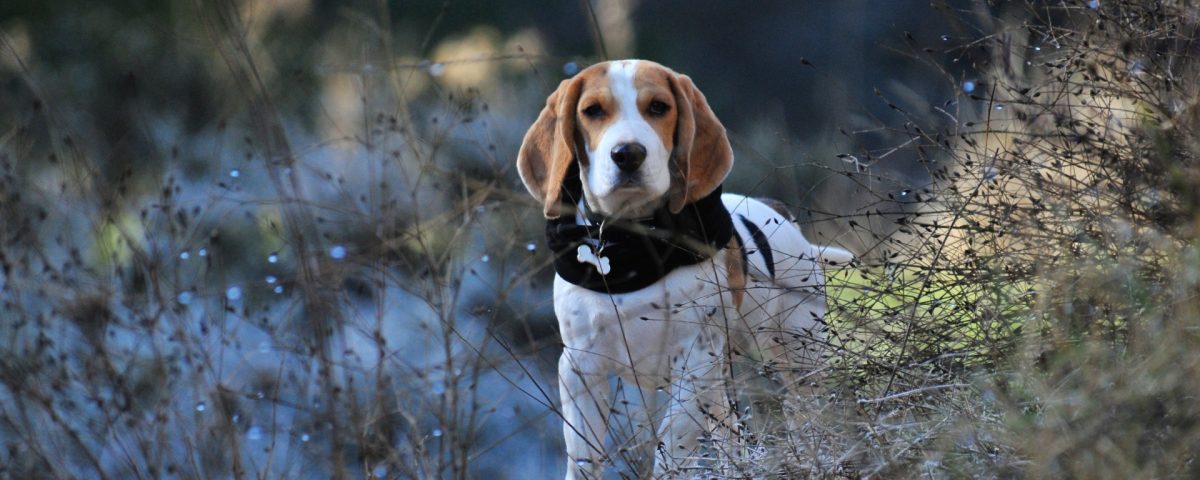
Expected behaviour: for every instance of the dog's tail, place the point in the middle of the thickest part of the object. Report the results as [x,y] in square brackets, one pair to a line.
[828,256]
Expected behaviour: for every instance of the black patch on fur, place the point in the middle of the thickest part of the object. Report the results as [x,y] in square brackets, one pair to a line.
[761,243]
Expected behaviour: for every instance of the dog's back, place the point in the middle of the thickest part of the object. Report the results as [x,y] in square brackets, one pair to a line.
[783,313]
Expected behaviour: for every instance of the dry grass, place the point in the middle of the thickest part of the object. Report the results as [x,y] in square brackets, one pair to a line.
[372,299]
[1027,313]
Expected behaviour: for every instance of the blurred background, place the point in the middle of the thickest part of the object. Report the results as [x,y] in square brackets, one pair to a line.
[285,238]
[785,77]
[233,219]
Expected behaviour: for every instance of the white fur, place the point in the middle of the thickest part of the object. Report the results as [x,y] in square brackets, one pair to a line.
[610,191]
[648,341]
[672,335]
[791,304]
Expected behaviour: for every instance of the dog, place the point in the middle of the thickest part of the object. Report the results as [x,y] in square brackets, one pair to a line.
[659,274]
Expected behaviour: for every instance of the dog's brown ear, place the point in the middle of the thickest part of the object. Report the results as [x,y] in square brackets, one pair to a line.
[549,147]
[702,154]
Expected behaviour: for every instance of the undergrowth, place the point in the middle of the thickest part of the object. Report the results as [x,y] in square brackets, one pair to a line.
[363,291]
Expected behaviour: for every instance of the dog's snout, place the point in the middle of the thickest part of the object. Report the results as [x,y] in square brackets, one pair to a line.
[628,156]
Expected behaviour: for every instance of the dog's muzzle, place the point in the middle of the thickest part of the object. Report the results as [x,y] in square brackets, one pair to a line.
[628,156]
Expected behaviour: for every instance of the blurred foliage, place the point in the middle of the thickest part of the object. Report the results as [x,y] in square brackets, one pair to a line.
[285,238]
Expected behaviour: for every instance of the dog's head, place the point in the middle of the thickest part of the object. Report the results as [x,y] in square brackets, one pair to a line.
[642,134]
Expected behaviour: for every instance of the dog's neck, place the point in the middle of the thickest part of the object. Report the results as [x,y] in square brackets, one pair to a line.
[586,215]
[634,211]
[618,255]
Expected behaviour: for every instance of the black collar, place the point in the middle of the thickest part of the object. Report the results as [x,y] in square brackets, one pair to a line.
[621,256]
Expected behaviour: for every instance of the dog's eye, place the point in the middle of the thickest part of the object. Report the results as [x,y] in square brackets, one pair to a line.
[594,111]
[658,108]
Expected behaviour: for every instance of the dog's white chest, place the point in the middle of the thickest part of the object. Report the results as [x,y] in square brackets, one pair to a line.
[642,332]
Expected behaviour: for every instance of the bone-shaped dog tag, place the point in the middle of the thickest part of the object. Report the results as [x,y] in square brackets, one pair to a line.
[584,254]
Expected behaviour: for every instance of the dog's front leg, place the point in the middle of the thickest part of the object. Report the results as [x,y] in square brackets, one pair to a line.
[698,409]
[583,388]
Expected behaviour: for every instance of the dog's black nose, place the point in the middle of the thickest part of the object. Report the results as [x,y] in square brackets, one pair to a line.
[628,156]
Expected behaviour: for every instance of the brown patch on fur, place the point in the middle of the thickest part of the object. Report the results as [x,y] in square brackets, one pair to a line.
[735,271]
[549,146]
[703,155]
[779,207]
[598,93]
[653,83]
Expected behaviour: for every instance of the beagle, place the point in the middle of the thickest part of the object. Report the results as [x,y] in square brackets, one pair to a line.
[659,276]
